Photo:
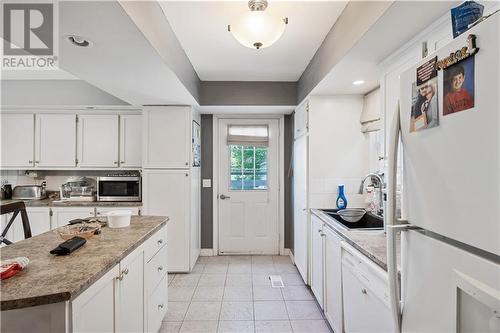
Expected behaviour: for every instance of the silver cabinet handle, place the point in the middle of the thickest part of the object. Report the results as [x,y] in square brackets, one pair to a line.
[224,197]
[160,241]
[122,162]
[119,277]
[160,268]
[160,306]
[30,162]
[187,163]
[363,291]
[115,162]
[125,271]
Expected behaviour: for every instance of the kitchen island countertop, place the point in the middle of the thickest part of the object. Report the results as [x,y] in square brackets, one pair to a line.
[371,243]
[51,279]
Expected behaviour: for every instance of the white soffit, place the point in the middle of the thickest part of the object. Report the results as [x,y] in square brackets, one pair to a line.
[201,27]
[402,21]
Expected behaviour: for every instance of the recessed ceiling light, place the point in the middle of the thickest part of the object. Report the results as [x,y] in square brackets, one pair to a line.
[79,41]
[358,82]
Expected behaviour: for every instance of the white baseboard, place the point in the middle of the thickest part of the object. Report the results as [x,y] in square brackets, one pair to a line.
[206,252]
[286,252]
[291,256]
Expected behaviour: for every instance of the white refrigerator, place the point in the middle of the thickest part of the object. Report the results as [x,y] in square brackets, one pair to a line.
[450,226]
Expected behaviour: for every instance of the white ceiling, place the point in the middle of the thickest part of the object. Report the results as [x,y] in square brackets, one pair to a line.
[201,28]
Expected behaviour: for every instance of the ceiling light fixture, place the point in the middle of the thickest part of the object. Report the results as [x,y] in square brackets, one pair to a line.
[257,28]
[358,82]
[79,41]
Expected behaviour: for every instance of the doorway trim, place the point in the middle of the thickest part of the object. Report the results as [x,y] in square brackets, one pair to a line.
[281,178]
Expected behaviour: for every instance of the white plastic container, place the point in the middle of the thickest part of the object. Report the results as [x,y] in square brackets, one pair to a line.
[119,218]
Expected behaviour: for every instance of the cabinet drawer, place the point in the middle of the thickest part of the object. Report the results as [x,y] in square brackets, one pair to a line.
[155,243]
[157,306]
[155,270]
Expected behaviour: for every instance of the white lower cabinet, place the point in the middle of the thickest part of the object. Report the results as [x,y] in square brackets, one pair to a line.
[122,300]
[317,261]
[365,294]
[39,218]
[168,193]
[93,310]
[129,296]
[62,215]
[333,280]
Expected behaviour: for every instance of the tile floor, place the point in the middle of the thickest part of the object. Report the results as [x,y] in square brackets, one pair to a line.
[233,294]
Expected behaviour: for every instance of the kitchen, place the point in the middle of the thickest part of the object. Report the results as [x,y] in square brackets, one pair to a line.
[232,174]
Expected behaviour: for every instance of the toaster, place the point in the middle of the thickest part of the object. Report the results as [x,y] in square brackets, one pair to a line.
[29,192]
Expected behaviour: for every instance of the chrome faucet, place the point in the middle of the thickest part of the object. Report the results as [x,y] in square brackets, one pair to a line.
[380,182]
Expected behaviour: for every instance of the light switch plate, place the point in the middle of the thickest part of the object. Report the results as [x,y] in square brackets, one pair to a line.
[207,183]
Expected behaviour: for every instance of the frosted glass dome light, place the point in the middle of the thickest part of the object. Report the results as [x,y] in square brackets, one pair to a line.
[257,28]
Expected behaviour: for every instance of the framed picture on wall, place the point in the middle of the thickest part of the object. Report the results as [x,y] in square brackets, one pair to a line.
[196,144]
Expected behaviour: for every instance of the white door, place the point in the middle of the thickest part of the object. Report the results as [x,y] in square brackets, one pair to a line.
[39,218]
[129,294]
[167,137]
[98,141]
[62,215]
[17,140]
[317,259]
[130,141]
[166,193]
[333,280]
[248,198]
[55,140]
[300,204]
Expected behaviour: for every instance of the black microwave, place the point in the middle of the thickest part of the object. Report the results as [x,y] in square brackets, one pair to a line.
[119,188]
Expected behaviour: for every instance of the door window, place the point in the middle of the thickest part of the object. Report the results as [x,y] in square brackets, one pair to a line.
[248,167]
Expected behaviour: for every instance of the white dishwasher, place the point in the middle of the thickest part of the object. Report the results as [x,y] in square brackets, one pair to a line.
[365,294]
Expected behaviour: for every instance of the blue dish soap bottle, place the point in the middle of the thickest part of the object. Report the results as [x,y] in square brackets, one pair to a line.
[341,200]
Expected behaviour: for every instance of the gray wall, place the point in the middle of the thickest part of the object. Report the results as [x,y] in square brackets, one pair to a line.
[288,186]
[248,93]
[207,223]
[207,203]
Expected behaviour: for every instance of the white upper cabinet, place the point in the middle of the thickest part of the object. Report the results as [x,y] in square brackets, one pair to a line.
[301,120]
[98,141]
[55,140]
[17,139]
[167,137]
[130,141]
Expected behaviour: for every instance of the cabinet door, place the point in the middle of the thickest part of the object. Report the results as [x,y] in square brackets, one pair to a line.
[130,294]
[317,259]
[358,299]
[55,140]
[62,215]
[300,204]
[17,139]
[93,310]
[130,141]
[39,218]
[102,211]
[98,141]
[301,116]
[167,137]
[166,192]
[333,280]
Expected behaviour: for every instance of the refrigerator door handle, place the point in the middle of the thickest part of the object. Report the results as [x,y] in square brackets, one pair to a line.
[392,270]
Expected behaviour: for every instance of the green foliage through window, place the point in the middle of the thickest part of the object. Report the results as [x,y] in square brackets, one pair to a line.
[248,168]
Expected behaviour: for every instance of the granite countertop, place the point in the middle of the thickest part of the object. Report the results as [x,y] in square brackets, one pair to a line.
[52,279]
[371,243]
[57,203]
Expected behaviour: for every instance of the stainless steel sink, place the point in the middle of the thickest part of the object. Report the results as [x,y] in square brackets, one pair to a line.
[368,222]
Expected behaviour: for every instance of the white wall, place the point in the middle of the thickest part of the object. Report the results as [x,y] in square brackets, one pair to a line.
[338,151]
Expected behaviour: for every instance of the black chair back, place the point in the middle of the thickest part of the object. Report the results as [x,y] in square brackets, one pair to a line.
[15,208]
